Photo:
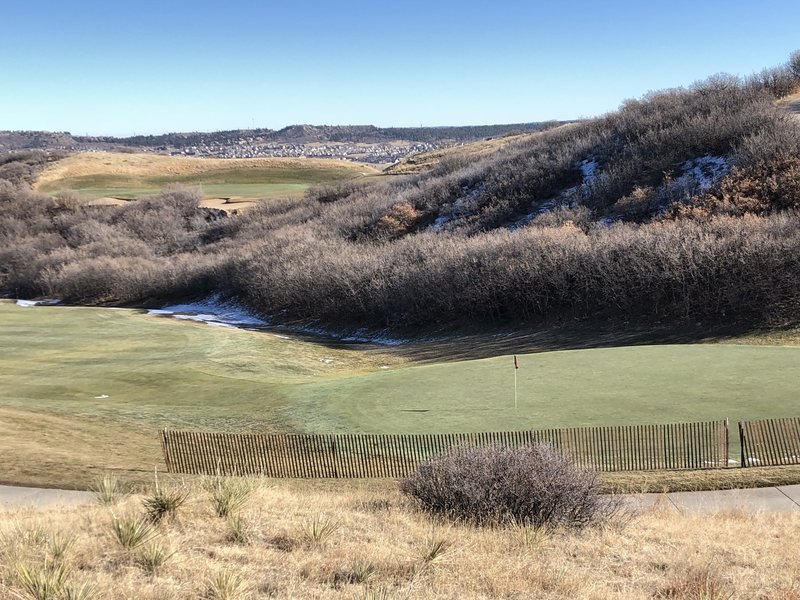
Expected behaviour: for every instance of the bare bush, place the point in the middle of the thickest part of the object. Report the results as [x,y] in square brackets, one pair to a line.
[532,485]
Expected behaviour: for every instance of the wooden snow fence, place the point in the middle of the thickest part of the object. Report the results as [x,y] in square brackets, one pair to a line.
[770,442]
[701,445]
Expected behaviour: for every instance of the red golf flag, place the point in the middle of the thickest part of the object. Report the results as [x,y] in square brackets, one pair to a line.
[516,364]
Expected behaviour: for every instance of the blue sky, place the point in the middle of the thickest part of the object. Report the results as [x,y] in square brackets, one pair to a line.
[119,68]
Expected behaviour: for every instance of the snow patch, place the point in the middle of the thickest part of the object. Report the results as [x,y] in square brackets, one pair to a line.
[45,302]
[704,172]
[462,207]
[607,221]
[589,169]
[439,223]
[374,339]
[360,336]
[213,311]
[218,313]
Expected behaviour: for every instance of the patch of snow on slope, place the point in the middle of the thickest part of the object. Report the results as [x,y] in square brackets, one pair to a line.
[705,171]
[439,223]
[589,169]
[213,311]
[464,206]
[46,302]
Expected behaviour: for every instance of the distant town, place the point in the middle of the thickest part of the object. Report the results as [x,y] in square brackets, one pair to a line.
[364,143]
[385,153]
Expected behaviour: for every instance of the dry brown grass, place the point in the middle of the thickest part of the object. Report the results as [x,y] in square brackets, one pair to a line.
[384,549]
[153,165]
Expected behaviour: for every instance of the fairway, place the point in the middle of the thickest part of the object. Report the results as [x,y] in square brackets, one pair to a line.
[85,389]
[130,176]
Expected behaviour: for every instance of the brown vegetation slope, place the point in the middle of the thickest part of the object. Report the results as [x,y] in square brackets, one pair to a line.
[681,206]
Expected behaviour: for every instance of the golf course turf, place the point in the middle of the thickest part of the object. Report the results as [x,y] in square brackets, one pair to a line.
[87,389]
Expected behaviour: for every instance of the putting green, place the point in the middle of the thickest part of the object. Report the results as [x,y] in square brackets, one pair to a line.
[644,384]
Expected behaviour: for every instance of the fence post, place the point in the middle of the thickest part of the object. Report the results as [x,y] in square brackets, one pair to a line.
[743,442]
[165,450]
[334,459]
[727,442]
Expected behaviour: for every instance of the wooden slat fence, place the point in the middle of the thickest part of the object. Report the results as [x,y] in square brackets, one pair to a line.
[770,442]
[623,448]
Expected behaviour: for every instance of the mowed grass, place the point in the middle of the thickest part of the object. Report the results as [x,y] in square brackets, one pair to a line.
[56,428]
[121,175]
[58,363]
[606,386]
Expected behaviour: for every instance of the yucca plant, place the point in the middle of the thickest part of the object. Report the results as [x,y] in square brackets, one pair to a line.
[79,591]
[164,502]
[152,557]
[107,490]
[319,529]
[229,494]
[433,550]
[239,529]
[59,544]
[132,532]
[227,585]
[43,582]
[362,571]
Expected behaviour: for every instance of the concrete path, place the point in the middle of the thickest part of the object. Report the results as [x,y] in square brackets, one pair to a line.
[20,497]
[771,499]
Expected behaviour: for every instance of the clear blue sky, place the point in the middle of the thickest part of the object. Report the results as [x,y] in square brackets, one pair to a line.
[117,68]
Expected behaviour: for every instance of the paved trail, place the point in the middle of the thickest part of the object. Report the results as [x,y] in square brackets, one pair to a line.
[17,497]
[771,499]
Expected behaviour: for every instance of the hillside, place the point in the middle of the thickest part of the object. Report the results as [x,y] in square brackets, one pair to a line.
[682,206]
[426,161]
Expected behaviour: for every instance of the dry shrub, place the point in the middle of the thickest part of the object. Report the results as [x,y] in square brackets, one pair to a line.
[697,583]
[765,187]
[532,485]
[400,220]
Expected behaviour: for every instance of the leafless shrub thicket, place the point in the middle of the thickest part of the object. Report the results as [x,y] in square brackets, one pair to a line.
[531,485]
[593,219]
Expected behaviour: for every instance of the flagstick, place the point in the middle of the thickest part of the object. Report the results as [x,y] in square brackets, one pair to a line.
[515,387]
